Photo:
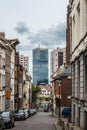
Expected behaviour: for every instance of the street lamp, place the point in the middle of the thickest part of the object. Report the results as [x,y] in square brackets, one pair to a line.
[29,98]
[59,100]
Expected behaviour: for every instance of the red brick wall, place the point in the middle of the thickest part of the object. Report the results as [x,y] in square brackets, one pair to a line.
[65,92]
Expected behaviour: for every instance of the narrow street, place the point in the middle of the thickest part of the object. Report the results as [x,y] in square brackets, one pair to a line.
[40,121]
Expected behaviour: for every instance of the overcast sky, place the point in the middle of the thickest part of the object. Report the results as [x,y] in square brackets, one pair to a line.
[34,22]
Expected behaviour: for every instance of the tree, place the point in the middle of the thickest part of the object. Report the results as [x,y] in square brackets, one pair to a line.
[35,91]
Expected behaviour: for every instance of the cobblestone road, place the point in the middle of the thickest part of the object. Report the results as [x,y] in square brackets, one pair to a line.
[40,121]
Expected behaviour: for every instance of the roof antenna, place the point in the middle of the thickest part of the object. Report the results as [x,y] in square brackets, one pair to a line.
[39,45]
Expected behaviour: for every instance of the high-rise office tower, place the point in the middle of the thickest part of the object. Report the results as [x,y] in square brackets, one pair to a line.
[40,66]
[57,58]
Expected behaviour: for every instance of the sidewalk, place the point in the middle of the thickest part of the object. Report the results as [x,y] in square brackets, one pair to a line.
[58,127]
[65,125]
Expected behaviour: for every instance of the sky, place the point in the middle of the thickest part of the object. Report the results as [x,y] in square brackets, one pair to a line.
[34,23]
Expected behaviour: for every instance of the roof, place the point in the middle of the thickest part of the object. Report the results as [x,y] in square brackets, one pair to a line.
[2,43]
[66,72]
[42,87]
[13,41]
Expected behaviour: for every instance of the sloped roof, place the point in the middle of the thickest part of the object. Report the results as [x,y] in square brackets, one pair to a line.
[2,43]
[44,87]
[66,72]
[13,41]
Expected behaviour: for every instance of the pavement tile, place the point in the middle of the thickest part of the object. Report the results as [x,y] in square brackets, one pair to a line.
[57,126]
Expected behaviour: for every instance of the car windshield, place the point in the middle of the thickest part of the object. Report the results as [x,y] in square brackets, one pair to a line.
[15,111]
[20,111]
[5,114]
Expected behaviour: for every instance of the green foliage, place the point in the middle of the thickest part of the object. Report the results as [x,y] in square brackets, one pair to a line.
[44,98]
[47,99]
[35,91]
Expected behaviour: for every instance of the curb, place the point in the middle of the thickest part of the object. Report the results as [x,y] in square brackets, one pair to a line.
[57,127]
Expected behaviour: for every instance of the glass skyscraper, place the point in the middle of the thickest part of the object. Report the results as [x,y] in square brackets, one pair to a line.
[40,66]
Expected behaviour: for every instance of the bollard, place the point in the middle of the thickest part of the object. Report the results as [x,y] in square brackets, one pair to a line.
[63,126]
[67,126]
[72,128]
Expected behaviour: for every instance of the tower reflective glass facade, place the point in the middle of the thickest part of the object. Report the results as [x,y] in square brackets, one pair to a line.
[40,66]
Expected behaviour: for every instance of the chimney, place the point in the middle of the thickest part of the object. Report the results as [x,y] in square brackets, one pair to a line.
[2,35]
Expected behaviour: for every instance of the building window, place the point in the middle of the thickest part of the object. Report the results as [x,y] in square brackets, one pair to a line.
[73,79]
[0,61]
[86,14]
[3,80]
[78,24]
[3,62]
[86,74]
[73,32]
[78,78]
[0,82]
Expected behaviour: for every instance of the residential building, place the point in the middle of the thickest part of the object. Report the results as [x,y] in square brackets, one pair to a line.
[45,91]
[20,86]
[16,81]
[40,66]
[7,78]
[2,72]
[10,60]
[78,35]
[61,88]
[57,58]
[23,89]
[24,61]
[27,90]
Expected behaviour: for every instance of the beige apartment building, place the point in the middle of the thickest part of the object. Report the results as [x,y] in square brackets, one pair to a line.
[24,61]
[27,90]
[57,58]
[7,72]
[2,73]
[78,36]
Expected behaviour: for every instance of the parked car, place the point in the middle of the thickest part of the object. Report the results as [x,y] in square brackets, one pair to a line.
[2,126]
[32,111]
[8,118]
[28,111]
[46,109]
[19,115]
[66,112]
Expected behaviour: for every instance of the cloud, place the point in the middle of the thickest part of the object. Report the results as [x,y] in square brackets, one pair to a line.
[26,47]
[50,38]
[53,36]
[21,28]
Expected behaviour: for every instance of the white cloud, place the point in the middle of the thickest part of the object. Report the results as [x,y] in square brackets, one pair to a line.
[50,38]
[21,28]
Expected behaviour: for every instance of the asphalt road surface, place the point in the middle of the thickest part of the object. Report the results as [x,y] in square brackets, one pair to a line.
[40,121]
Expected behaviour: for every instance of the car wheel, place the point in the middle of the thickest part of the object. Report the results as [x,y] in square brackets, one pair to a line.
[3,128]
[10,124]
[13,124]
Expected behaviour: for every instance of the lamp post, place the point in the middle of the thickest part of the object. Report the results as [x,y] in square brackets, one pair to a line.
[59,100]
[29,98]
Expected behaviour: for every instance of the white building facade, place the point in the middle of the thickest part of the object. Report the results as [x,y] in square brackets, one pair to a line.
[78,34]
[2,75]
